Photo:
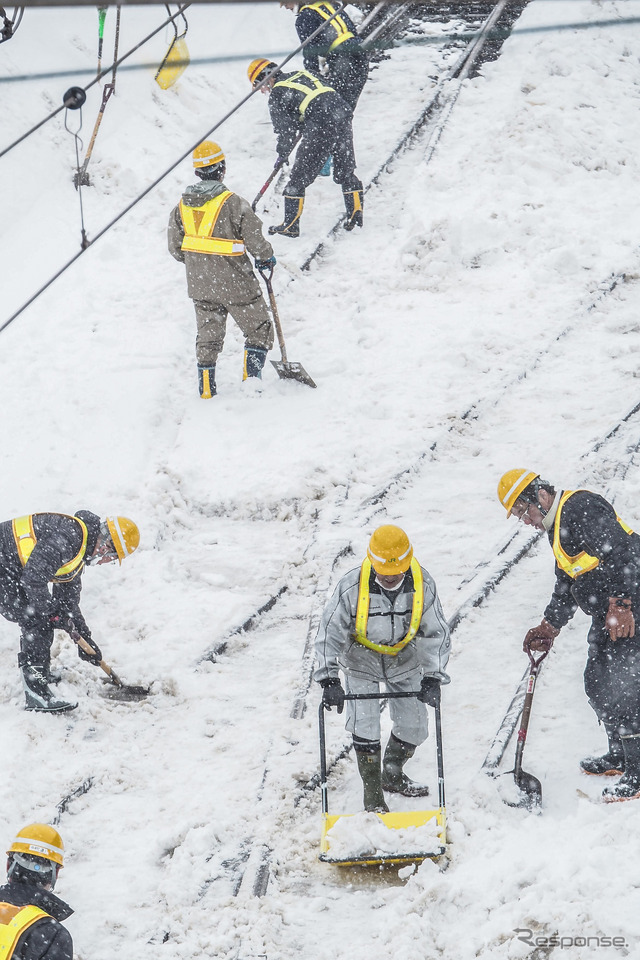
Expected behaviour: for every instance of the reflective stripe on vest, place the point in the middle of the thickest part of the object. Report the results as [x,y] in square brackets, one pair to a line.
[582,562]
[362,611]
[326,11]
[199,222]
[25,538]
[13,923]
[294,83]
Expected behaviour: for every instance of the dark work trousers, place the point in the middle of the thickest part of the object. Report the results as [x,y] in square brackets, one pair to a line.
[325,132]
[612,678]
[35,636]
[347,73]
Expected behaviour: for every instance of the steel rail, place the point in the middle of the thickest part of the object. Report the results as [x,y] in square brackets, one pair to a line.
[439,106]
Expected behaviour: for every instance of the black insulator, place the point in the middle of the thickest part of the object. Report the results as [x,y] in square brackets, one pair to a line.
[74,98]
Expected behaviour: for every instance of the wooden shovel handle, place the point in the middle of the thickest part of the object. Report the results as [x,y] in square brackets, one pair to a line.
[276,318]
[84,645]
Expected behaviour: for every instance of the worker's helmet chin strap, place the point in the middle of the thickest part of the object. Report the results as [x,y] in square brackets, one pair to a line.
[532,494]
[542,510]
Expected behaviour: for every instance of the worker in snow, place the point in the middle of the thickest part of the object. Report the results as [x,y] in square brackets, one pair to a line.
[384,624]
[54,548]
[597,570]
[211,231]
[338,43]
[30,913]
[301,105]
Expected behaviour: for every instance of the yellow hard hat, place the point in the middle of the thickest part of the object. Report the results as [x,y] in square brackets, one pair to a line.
[207,154]
[258,67]
[125,536]
[39,840]
[511,485]
[390,551]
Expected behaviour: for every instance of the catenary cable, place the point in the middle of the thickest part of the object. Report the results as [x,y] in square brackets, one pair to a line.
[90,84]
[159,179]
[497,34]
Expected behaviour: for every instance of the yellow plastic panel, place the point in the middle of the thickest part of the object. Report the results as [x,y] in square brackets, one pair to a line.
[174,64]
[394,821]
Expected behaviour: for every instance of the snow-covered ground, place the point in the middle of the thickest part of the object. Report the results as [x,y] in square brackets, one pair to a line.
[480,282]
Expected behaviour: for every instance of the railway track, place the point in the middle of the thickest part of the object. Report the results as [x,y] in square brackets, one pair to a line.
[489,574]
[517,546]
[488,24]
[249,867]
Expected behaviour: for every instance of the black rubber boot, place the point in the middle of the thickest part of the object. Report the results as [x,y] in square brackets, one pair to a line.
[354,204]
[628,786]
[207,382]
[51,676]
[393,779]
[609,764]
[254,358]
[37,693]
[292,212]
[369,768]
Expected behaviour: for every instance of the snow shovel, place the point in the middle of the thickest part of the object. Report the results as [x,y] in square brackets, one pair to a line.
[286,369]
[123,691]
[279,164]
[529,786]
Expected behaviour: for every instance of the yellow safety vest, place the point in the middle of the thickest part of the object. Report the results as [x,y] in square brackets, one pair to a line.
[362,610]
[583,562]
[326,11]
[25,538]
[295,84]
[199,222]
[13,923]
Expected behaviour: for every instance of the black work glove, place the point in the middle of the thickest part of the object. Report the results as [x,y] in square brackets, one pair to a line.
[263,265]
[281,162]
[93,658]
[429,691]
[333,694]
[62,621]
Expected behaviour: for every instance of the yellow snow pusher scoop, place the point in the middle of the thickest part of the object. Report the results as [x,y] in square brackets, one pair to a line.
[371,839]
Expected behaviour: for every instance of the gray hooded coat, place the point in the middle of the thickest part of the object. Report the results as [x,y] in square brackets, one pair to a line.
[426,654]
[220,279]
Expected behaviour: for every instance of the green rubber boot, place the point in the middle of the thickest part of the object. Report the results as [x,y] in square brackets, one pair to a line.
[369,768]
[393,779]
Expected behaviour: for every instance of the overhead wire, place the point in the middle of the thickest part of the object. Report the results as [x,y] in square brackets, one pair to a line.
[95,80]
[147,190]
[152,186]
[499,33]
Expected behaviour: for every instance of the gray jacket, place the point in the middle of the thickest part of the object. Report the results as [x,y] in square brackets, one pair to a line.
[215,278]
[389,619]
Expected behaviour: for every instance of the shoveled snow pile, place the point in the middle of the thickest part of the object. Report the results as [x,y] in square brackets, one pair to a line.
[366,833]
